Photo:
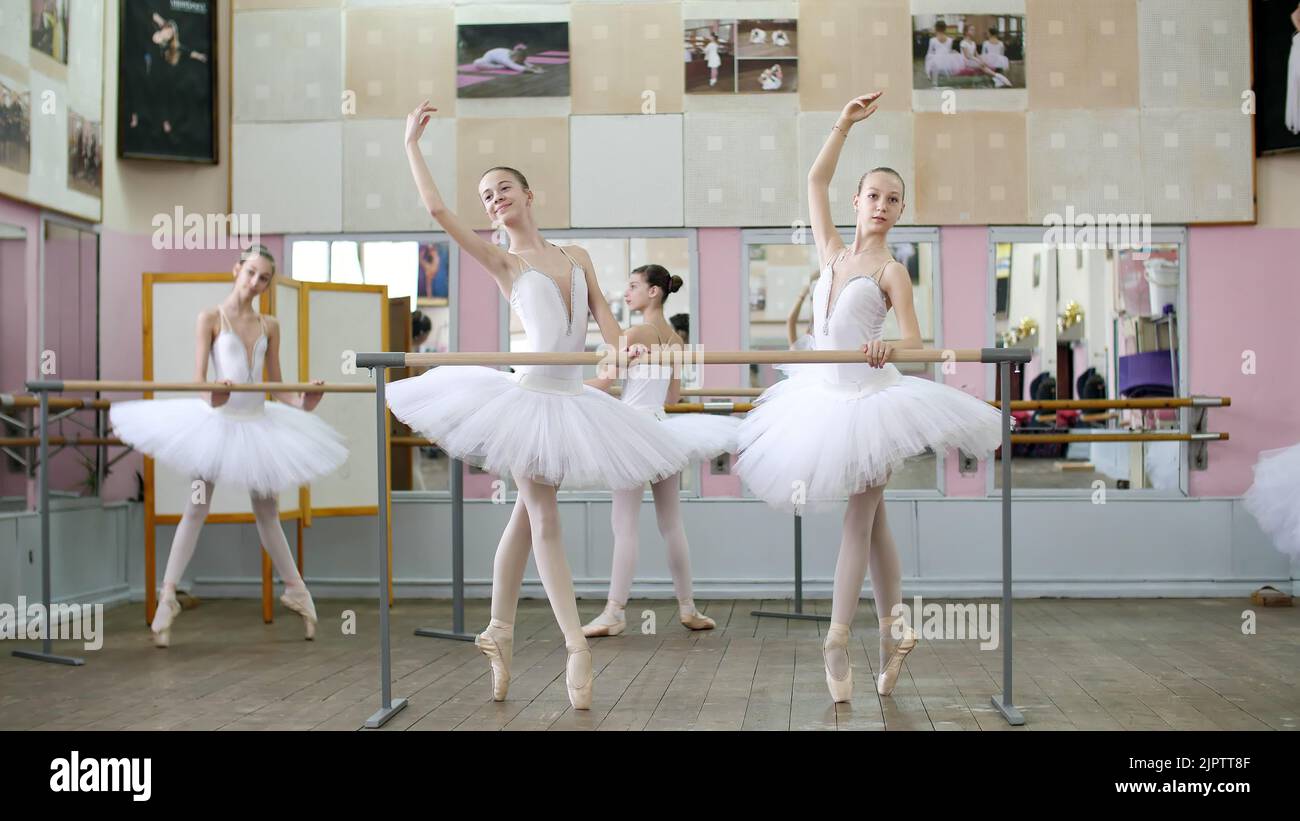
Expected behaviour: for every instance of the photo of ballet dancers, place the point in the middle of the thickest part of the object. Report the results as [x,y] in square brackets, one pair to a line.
[741,56]
[968,51]
[1277,75]
[513,60]
[167,81]
[435,273]
[15,129]
[50,28]
[85,155]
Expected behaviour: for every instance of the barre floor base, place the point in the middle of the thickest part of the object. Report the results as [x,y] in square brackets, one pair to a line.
[1083,664]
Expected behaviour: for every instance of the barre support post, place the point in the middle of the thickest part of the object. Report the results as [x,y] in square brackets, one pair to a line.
[389,706]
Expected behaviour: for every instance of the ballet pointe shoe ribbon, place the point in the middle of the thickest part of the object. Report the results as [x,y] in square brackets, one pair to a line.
[299,601]
[497,643]
[837,641]
[167,611]
[578,677]
[893,666]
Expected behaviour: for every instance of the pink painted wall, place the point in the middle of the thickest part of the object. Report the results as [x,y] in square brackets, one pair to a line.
[478,329]
[964,256]
[1242,291]
[124,259]
[719,324]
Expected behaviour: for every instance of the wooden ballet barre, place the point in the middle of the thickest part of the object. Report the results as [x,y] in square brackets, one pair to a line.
[1065,438]
[618,390]
[138,386]
[9,400]
[691,357]
[1122,404]
[33,441]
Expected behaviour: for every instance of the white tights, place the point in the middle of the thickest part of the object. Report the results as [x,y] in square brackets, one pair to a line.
[865,543]
[266,510]
[668,514]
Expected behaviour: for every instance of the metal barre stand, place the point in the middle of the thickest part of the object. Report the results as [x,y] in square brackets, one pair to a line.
[379,364]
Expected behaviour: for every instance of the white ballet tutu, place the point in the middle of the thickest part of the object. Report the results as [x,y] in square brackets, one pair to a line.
[552,430]
[267,449]
[1274,497]
[703,435]
[812,441]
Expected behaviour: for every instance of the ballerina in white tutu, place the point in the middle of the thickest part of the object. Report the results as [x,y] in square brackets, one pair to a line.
[648,386]
[831,432]
[1274,497]
[235,438]
[544,427]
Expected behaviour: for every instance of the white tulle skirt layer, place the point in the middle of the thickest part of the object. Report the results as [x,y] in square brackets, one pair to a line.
[268,449]
[811,441]
[571,435]
[1274,497]
[703,435]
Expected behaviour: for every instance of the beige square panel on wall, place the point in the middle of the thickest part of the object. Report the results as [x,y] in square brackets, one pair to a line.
[397,57]
[1085,163]
[741,170]
[626,171]
[379,193]
[538,147]
[1194,55]
[1198,166]
[626,58]
[883,140]
[1082,55]
[289,174]
[272,5]
[970,169]
[288,65]
[851,47]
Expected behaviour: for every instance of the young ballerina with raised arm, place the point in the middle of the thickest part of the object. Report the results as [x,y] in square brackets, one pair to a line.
[543,427]
[832,432]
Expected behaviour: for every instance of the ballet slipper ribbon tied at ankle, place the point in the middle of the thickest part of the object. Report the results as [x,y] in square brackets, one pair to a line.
[551,384]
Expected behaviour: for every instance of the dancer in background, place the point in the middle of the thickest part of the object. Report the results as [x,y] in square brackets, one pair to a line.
[235,438]
[648,386]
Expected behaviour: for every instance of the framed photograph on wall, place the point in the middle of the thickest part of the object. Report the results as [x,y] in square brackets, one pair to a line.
[167,80]
[432,286]
[1276,38]
[741,56]
[50,28]
[968,51]
[512,60]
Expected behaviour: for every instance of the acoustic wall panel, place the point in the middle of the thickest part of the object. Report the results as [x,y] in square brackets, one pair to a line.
[971,169]
[851,47]
[1086,160]
[397,57]
[740,170]
[1198,166]
[1082,55]
[1194,55]
[537,147]
[291,174]
[883,140]
[626,171]
[626,58]
[379,193]
[288,65]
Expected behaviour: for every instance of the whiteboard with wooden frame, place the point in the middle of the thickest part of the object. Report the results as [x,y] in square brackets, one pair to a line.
[320,324]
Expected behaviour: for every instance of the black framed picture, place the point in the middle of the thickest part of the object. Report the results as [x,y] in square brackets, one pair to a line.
[167,80]
[1276,26]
